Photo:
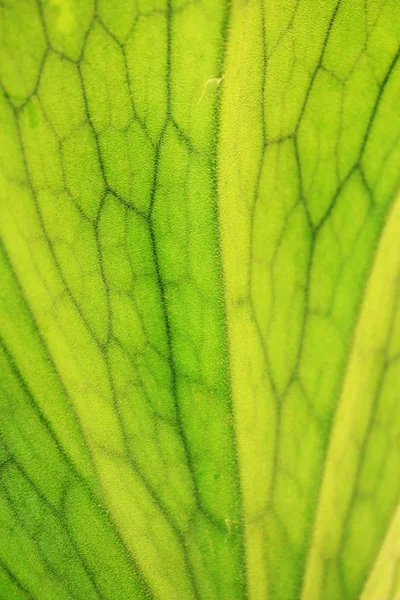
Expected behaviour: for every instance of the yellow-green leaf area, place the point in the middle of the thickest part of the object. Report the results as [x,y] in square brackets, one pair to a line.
[199,316]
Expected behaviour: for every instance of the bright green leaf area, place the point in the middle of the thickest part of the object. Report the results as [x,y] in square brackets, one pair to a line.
[199,299]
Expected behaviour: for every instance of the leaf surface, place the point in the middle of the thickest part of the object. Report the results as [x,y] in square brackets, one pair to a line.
[199,310]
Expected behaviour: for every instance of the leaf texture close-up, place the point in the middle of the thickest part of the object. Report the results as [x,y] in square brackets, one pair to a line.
[200,300]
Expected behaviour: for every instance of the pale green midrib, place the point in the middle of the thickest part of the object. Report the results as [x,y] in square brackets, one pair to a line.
[257,191]
[224,300]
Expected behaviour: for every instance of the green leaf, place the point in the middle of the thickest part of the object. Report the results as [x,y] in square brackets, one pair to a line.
[199,305]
